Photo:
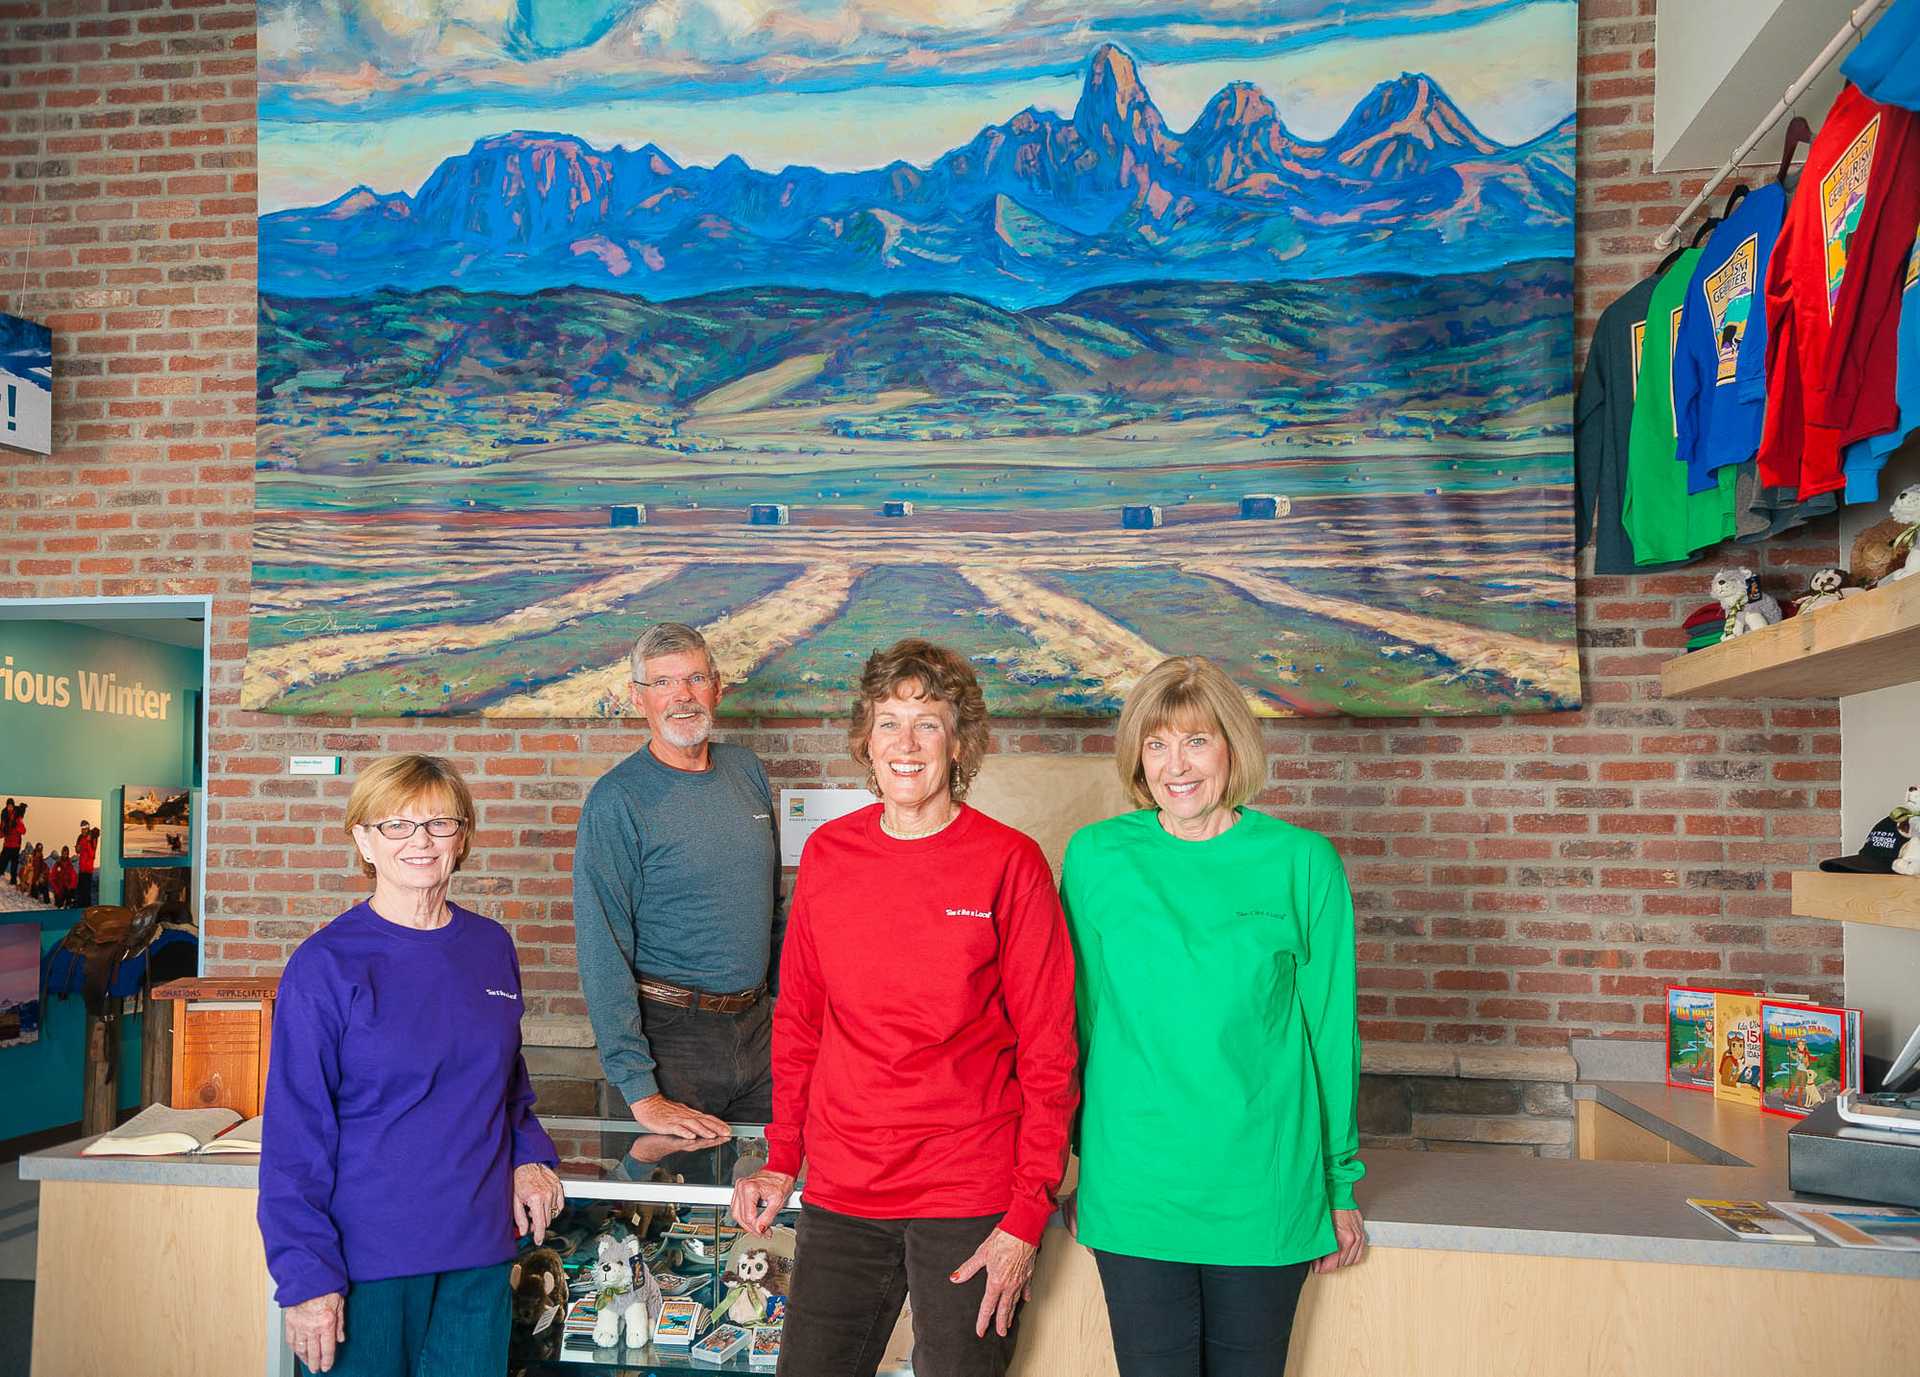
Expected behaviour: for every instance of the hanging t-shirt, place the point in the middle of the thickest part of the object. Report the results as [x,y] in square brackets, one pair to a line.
[1886,64]
[1663,521]
[1803,279]
[1864,459]
[1720,357]
[1602,428]
[1861,360]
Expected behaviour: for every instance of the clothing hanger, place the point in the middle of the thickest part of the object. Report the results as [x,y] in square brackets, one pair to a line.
[1707,226]
[1733,199]
[1798,132]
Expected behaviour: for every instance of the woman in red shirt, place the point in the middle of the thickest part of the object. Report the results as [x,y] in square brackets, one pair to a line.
[923,1048]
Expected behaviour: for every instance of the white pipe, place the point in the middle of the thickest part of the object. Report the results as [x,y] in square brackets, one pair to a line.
[1856,21]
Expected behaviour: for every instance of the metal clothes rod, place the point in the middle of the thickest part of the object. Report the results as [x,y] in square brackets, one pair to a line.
[1856,21]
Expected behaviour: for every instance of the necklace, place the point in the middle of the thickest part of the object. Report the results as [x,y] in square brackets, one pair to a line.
[916,836]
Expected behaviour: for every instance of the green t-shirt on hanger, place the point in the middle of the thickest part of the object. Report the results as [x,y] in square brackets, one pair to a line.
[1664,521]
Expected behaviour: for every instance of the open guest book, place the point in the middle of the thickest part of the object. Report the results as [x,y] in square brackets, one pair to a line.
[158,1131]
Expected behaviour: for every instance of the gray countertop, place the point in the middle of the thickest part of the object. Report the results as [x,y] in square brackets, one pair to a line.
[1462,1201]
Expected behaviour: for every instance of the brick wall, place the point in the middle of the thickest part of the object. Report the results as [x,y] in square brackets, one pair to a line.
[1519,880]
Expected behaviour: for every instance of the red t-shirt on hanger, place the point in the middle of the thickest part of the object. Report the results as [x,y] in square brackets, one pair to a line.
[1797,449]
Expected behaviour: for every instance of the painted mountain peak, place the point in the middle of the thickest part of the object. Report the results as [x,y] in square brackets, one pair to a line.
[1030,210]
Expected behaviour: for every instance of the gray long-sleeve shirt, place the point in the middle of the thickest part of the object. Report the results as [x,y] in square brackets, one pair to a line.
[676,875]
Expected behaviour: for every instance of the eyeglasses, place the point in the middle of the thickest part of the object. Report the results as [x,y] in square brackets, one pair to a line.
[399,829]
[667,682]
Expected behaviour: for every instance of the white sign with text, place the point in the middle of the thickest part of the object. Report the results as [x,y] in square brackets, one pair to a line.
[803,810]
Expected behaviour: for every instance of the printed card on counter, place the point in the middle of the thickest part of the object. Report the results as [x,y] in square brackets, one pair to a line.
[725,1341]
[678,1322]
[765,1350]
[1753,1220]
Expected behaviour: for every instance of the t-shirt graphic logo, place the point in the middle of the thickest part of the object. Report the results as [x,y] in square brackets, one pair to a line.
[504,994]
[1729,291]
[1639,333]
[969,913]
[1913,263]
[1673,335]
[1842,193]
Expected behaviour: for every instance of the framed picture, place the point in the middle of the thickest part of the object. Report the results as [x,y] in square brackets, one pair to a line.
[26,384]
[157,884]
[19,984]
[155,824]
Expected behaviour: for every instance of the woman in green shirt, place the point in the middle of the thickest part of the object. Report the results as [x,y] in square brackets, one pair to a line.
[1219,1043]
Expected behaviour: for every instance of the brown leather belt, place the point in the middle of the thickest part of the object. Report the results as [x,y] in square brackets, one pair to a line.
[680,997]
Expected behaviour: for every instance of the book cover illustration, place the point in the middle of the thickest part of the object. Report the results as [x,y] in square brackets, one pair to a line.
[1752,1219]
[1690,1044]
[1736,1021]
[1804,1057]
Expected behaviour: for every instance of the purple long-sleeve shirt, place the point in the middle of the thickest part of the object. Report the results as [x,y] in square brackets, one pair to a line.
[397,1104]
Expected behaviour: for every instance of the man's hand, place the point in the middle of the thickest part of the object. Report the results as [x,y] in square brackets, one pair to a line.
[537,1198]
[1009,1266]
[658,1114]
[1351,1232]
[759,1198]
[315,1328]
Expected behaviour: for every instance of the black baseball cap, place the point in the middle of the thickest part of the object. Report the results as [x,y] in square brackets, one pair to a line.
[1877,856]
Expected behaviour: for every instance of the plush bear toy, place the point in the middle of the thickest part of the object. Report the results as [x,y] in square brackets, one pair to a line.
[1826,587]
[1906,511]
[1747,608]
[625,1292]
[539,1285]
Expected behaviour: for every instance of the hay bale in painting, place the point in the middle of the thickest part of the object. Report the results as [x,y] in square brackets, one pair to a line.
[766,514]
[1264,506]
[630,514]
[897,506]
[1139,516]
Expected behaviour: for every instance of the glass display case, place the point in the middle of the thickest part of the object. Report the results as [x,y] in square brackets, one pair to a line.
[670,1197]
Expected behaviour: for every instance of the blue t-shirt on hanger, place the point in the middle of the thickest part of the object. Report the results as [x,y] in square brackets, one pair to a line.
[1720,354]
[1886,65]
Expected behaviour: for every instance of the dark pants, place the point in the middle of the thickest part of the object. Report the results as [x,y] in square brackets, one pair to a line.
[10,862]
[721,1064]
[1182,1319]
[87,894]
[850,1276]
[438,1324]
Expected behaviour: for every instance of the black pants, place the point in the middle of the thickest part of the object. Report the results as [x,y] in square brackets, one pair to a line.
[850,1276]
[721,1064]
[1182,1319]
[10,862]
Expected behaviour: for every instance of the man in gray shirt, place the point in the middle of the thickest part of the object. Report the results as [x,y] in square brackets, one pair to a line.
[676,906]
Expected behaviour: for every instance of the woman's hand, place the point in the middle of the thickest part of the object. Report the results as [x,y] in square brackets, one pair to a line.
[759,1198]
[315,1328]
[1009,1266]
[537,1198]
[1351,1231]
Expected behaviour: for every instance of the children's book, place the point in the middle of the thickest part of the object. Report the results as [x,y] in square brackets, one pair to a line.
[1752,1219]
[1858,1226]
[1736,1032]
[158,1131]
[765,1348]
[677,1322]
[1691,1050]
[1806,1056]
[720,1345]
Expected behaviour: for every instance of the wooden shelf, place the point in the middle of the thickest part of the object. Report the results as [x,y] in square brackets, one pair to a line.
[1869,641]
[1889,900]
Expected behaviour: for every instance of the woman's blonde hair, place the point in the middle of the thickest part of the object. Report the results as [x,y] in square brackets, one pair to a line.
[1191,692]
[941,676]
[387,786]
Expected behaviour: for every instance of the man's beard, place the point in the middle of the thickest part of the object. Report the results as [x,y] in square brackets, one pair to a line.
[688,734]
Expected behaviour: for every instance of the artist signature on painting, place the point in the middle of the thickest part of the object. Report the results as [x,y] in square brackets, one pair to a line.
[322,623]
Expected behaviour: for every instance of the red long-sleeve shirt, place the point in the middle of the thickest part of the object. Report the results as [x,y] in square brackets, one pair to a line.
[923,1042]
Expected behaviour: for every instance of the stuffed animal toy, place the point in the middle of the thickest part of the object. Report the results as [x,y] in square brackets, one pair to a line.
[1747,608]
[1826,587]
[1908,861]
[1906,511]
[539,1286]
[746,1303]
[625,1292]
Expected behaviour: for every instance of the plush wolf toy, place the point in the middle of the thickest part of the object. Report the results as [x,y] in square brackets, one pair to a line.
[1747,608]
[624,1290]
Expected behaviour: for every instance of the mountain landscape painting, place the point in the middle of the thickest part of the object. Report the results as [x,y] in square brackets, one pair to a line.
[1070,339]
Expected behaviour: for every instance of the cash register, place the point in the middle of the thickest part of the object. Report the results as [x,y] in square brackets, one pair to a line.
[1864,1146]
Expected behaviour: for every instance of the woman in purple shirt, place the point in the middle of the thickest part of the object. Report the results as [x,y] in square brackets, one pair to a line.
[401,1159]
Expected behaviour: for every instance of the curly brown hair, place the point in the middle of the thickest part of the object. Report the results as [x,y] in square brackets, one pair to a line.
[937,674]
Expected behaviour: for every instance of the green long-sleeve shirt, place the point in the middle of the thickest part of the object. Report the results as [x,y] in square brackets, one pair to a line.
[1219,1044]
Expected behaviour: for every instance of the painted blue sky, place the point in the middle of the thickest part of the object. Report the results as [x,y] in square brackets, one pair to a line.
[379,91]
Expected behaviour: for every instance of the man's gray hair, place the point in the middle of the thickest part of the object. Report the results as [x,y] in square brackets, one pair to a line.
[663,639]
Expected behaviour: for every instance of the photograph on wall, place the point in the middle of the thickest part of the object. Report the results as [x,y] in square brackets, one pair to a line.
[1068,339]
[19,984]
[157,884]
[26,384]
[155,824]
[35,830]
